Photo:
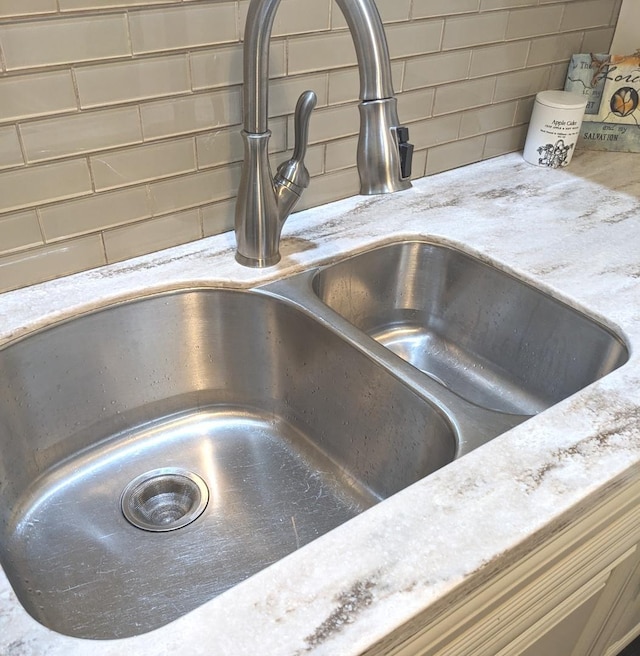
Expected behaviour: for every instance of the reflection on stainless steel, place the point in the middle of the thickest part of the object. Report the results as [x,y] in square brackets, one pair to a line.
[482,333]
[384,153]
[292,429]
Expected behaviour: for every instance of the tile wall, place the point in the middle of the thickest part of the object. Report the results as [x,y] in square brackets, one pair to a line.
[119,119]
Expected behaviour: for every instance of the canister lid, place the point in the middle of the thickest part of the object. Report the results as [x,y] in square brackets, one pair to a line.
[561,99]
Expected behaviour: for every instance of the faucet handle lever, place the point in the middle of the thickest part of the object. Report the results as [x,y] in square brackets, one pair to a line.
[293,171]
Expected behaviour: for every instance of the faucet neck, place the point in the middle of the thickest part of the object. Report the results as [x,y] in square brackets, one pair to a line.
[368,37]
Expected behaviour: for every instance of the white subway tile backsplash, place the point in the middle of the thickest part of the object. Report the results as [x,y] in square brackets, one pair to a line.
[47,139]
[136,108]
[120,82]
[62,41]
[199,24]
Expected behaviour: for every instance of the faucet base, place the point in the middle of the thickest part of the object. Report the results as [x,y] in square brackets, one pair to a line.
[257,263]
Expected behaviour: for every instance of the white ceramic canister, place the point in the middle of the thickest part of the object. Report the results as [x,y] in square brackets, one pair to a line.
[554,128]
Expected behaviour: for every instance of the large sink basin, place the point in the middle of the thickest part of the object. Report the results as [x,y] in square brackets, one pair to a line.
[291,430]
[484,334]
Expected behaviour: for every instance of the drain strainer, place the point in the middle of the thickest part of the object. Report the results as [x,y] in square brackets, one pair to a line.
[164,499]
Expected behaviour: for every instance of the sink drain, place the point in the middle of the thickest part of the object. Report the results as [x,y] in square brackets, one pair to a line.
[164,499]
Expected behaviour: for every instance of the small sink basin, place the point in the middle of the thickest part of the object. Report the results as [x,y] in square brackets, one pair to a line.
[484,334]
[156,452]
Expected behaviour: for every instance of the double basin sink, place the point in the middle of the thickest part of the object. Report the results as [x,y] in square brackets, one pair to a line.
[156,452]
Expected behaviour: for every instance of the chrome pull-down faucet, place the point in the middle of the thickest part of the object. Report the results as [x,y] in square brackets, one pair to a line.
[384,152]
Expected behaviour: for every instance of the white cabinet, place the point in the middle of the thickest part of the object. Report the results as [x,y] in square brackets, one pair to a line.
[575,594]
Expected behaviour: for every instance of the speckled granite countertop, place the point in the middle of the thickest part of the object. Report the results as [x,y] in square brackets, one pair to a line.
[574,232]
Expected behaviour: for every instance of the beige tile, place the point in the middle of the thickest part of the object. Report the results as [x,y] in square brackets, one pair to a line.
[524,109]
[341,154]
[94,213]
[597,40]
[81,133]
[142,164]
[327,188]
[19,231]
[222,66]
[521,83]
[417,38]
[535,21]
[10,151]
[10,8]
[296,16]
[75,5]
[451,155]
[26,96]
[463,95]
[429,8]
[152,235]
[490,60]
[218,217]
[487,119]
[344,84]
[419,164]
[108,84]
[320,52]
[415,105]
[466,31]
[488,5]
[49,262]
[182,27]
[225,145]
[284,93]
[583,14]
[434,131]
[194,189]
[62,41]
[331,123]
[437,69]
[557,76]
[204,111]
[31,186]
[558,47]
[390,11]
[505,141]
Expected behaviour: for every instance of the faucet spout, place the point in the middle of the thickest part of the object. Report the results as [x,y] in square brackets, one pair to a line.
[384,153]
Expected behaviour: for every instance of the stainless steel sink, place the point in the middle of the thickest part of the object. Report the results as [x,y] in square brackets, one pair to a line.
[484,334]
[157,452]
[117,425]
